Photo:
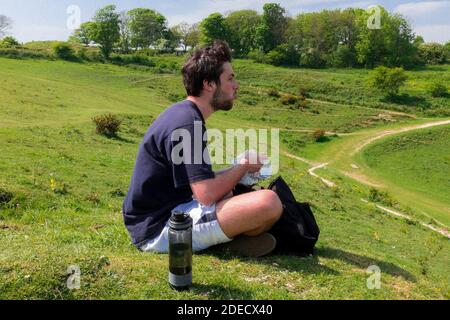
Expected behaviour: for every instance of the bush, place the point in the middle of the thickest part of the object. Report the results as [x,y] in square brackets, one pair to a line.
[289,99]
[343,57]
[381,196]
[257,56]
[9,42]
[303,92]
[438,90]
[387,80]
[107,124]
[318,135]
[127,59]
[64,51]
[284,54]
[312,59]
[5,196]
[273,93]
[304,104]
[23,54]
[432,53]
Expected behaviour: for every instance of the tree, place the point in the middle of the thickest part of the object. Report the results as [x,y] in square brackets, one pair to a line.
[272,31]
[343,57]
[243,26]
[188,35]
[214,28]
[387,81]
[283,54]
[105,30]
[5,25]
[432,53]
[447,50]
[193,37]
[180,32]
[125,33]
[9,42]
[146,27]
[84,34]
[391,45]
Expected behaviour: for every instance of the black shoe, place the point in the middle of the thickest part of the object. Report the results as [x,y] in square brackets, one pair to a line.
[247,246]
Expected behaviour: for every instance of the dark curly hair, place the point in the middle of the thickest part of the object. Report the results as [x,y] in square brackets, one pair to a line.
[205,64]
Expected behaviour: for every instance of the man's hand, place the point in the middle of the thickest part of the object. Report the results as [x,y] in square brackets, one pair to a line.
[252,161]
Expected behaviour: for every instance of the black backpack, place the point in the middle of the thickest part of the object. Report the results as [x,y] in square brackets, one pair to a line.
[297,231]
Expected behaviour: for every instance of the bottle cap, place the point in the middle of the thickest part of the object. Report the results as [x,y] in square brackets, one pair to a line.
[180,220]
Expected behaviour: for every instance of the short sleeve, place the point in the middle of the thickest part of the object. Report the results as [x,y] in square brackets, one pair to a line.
[187,154]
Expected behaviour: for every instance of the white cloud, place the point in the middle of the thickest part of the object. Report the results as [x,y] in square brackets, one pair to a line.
[40,33]
[434,33]
[420,9]
[206,7]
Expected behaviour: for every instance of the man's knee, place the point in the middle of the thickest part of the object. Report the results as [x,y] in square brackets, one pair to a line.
[271,205]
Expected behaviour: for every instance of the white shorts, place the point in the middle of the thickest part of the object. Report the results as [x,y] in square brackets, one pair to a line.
[206,231]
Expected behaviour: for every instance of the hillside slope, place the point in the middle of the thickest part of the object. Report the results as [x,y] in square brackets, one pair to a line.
[65,185]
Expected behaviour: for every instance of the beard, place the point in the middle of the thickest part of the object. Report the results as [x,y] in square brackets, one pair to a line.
[221,102]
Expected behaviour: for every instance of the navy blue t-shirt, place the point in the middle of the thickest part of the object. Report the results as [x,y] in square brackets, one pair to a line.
[160,181]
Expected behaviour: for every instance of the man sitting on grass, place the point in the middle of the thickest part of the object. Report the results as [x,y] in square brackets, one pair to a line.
[160,184]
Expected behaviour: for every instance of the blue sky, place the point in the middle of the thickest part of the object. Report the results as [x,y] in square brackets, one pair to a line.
[47,19]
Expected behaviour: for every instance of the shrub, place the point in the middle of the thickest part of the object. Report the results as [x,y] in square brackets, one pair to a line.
[388,80]
[304,104]
[303,92]
[14,53]
[5,196]
[284,54]
[93,197]
[343,57]
[127,59]
[9,42]
[257,56]
[107,124]
[312,59]
[318,135]
[289,99]
[273,93]
[432,53]
[64,51]
[381,196]
[438,90]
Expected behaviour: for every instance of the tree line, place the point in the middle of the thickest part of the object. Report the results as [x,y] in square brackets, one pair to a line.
[329,38]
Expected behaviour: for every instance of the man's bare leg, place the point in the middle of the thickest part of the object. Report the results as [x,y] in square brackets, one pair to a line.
[249,214]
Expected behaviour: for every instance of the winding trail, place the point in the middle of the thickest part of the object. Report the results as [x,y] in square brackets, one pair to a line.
[359,142]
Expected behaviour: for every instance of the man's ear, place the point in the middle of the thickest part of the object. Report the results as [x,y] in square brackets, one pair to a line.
[209,86]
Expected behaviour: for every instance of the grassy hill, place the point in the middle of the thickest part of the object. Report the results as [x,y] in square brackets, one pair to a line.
[416,162]
[62,186]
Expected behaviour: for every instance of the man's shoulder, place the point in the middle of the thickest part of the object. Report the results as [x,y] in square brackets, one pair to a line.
[180,114]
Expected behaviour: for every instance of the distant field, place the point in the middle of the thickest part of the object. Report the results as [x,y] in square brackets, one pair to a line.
[62,187]
[418,161]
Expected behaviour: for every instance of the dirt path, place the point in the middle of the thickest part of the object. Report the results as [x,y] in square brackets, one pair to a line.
[355,147]
[386,133]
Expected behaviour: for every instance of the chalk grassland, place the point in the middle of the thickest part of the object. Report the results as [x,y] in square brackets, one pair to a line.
[62,188]
[417,161]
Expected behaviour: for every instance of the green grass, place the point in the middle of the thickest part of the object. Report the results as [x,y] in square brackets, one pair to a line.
[416,162]
[67,186]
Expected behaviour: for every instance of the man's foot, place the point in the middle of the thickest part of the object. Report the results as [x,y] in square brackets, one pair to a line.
[254,247]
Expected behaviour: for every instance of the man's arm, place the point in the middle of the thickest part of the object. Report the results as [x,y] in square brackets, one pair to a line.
[210,191]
